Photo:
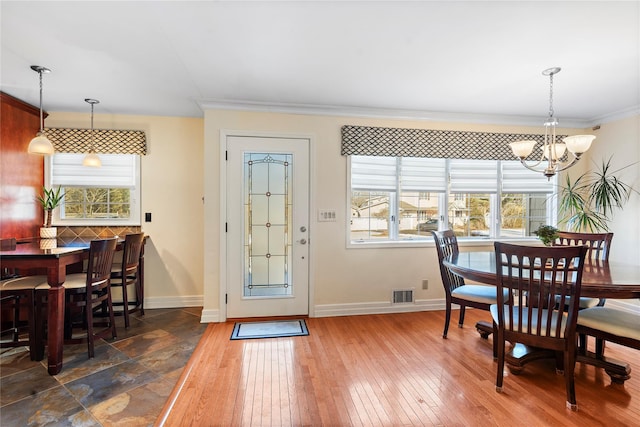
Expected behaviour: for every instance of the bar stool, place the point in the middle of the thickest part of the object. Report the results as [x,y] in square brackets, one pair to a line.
[125,275]
[83,293]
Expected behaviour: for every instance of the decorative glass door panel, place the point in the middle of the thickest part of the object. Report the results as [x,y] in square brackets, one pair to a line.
[268,226]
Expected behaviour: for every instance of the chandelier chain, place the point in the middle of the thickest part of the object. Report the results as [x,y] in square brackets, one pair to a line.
[551,96]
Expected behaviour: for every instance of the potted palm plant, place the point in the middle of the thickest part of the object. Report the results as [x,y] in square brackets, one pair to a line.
[588,202]
[49,200]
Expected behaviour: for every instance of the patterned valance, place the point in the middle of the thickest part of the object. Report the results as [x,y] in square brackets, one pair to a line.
[105,141]
[448,144]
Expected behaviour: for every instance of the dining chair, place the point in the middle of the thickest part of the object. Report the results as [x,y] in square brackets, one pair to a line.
[599,245]
[17,296]
[609,324]
[125,275]
[533,277]
[83,293]
[455,288]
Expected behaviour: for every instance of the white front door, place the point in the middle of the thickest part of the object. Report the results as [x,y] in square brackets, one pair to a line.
[267,226]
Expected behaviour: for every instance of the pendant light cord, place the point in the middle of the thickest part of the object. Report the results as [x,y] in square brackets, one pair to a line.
[41,118]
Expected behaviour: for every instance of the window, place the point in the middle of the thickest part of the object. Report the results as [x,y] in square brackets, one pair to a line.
[109,195]
[405,198]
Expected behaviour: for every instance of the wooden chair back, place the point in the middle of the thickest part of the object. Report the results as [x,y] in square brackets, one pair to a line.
[534,277]
[99,265]
[599,244]
[447,246]
[131,253]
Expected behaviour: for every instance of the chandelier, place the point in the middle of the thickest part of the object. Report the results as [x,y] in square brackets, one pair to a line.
[553,158]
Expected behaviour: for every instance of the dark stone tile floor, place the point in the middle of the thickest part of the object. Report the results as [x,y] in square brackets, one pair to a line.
[126,384]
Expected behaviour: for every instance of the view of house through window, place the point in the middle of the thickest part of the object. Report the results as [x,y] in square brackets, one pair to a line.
[399,199]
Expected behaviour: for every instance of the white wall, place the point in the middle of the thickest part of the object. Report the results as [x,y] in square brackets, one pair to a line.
[620,141]
[183,164]
[344,281]
[172,190]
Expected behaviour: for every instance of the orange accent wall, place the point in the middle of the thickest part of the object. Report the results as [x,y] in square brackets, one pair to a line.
[21,173]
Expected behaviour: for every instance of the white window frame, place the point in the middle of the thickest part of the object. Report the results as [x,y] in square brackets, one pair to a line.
[134,186]
[494,223]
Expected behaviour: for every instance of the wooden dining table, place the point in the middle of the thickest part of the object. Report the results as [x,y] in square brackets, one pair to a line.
[35,257]
[600,279]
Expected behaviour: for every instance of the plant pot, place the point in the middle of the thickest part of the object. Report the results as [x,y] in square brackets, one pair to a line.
[48,232]
[48,243]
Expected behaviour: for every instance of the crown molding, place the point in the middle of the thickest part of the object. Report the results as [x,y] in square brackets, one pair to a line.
[618,115]
[383,113]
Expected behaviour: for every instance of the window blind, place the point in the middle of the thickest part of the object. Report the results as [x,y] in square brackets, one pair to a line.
[420,174]
[473,176]
[518,179]
[117,171]
[373,173]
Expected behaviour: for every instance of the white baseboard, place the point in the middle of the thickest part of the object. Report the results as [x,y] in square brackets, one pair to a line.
[326,310]
[353,309]
[210,316]
[174,302]
[349,309]
[329,310]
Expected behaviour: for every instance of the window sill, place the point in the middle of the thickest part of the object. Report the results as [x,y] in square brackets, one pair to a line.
[462,242]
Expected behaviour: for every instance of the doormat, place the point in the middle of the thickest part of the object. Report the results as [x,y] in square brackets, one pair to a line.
[269,329]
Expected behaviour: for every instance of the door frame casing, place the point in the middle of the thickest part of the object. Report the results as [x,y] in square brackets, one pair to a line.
[224,134]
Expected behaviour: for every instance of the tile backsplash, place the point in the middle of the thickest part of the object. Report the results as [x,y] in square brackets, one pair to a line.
[69,234]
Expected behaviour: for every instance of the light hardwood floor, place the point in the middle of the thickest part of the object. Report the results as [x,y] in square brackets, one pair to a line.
[386,370]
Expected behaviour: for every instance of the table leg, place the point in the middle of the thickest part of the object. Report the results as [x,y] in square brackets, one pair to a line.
[55,318]
[521,354]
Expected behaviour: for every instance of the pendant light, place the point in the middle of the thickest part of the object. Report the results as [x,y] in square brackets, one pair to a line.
[92,159]
[40,144]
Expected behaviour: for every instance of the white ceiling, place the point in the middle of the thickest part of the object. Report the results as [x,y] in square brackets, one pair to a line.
[474,61]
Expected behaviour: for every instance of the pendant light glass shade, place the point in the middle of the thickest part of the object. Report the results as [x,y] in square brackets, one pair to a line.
[40,144]
[92,159]
[578,144]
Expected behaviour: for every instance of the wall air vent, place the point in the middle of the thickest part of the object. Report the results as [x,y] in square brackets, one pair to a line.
[402,296]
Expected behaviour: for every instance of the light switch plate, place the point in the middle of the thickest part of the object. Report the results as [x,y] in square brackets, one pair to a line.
[326,215]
